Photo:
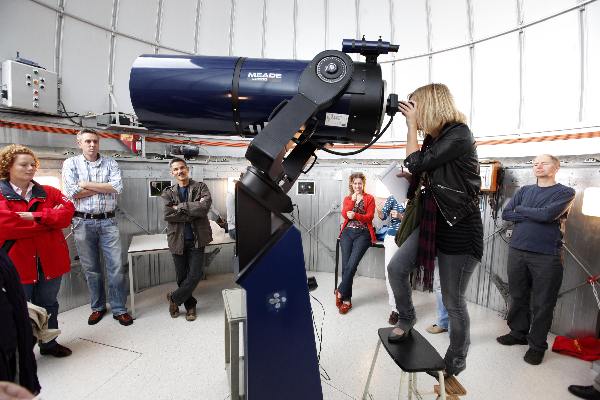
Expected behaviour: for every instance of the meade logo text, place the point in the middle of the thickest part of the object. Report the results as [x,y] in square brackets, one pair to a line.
[264,76]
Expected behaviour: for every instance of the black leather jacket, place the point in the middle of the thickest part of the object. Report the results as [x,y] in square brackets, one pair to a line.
[452,167]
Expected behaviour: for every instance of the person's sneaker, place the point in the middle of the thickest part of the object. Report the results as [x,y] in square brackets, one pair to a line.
[584,392]
[393,319]
[173,307]
[190,315]
[510,340]
[435,329]
[58,351]
[534,357]
[96,316]
[124,319]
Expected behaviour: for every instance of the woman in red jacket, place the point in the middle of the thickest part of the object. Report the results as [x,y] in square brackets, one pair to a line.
[356,236]
[32,217]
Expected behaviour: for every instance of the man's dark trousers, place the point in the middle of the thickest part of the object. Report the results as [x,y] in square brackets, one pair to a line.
[188,268]
[534,280]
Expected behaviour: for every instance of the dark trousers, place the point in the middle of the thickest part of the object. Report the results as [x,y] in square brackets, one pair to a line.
[188,268]
[354,243]
[534,280]
[44,294]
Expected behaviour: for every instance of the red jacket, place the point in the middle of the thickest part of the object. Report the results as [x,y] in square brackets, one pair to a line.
[364,218]
[42,238]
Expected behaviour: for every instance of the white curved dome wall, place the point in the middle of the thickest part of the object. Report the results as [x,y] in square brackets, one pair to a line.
[537,80]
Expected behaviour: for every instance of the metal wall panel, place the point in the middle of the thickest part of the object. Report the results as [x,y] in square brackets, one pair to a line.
[179,24]
[592,79]
[248,28]
[100,12]
[214,27]
[410,27]
[35,43]
[279,43]
[491,17]
[459,80]
[444,34]
[372,22]
[502,79]
[126,51]
[138,18]
[537,9]
[341,23]
[310,34]
[552,49]
[84,67]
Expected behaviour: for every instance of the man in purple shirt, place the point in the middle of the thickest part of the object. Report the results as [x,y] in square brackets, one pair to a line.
[539,213]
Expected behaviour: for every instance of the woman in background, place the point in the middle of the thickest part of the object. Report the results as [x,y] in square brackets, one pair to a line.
[446,184]
[393,210]
[356,236]
[32,217]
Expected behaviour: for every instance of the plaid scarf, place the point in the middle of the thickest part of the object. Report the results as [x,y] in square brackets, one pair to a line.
[427,251]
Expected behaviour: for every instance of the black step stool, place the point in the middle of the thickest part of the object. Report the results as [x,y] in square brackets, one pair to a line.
[414,354]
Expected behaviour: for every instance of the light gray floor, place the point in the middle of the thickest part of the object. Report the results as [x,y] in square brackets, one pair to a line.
[162,358]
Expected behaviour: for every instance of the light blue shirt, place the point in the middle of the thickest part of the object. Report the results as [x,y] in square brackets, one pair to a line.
[103,170]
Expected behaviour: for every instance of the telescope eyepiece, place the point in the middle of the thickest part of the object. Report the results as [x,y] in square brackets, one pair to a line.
[370,49]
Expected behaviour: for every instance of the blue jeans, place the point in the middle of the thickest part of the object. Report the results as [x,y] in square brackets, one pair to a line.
[354,244]
[455,272]
[91,238]
[188,269]
[442,313]
[44,294]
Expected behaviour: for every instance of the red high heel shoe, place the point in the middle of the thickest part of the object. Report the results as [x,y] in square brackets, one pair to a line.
[345,307]
[338,298]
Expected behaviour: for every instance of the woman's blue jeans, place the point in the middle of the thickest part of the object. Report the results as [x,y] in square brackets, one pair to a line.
[354,244]
[455,271]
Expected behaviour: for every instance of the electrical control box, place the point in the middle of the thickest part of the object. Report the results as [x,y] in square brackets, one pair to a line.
[28,87]
[488,170]
[306,187]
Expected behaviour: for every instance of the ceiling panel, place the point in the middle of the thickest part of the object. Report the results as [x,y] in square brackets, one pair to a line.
[449,23]
[496,87]
[454,70]
[126,51]
[85,68]
[410,27]
[99,12]
[36,43]
[248,28]
[138,18]
[310,36]
[279,31]
[551,79]
[213,32]
[178,25]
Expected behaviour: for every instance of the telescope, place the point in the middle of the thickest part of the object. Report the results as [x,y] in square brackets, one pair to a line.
[329,99]
[209,95]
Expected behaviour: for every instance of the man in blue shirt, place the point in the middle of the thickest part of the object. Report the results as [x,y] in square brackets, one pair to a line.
[93,182]
[539,213]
